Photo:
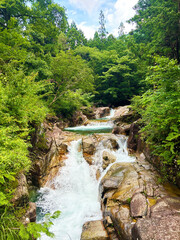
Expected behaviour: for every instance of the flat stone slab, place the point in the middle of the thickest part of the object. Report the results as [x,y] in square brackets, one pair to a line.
[94,230]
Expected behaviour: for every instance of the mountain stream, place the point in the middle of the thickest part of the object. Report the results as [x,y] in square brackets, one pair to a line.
[76,189]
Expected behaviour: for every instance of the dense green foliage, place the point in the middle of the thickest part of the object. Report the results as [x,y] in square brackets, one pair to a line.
[160,110]
[47,66]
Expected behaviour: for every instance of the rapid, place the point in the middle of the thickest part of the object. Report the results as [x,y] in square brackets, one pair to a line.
[75,189]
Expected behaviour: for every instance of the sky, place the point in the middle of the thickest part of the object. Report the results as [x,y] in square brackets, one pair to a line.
[85,13]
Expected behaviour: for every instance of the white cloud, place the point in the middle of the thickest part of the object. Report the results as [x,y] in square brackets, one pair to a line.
[87,30]
[115,12]
[88,6]
[121,12]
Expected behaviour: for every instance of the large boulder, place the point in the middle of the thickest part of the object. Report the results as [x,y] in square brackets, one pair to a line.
[110,142]
[94,231]
[102,112]
[121,111]
[88,148]
[108,158]
[166,227]
[123,129]
[78,119]
[88,145]
[125,115]
[122,221]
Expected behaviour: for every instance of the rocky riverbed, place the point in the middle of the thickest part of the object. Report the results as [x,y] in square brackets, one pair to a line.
[134,202]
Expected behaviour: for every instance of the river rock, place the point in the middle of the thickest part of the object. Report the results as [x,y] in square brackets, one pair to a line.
[94,230]
[110,142]
[21,194]
[78,119]
[123,129]
[88,145]
[108,158]
[102,112]
[138,205]
[110,183]
[122,221]
[159,228]
[125,115]
[128,185]
[121,111]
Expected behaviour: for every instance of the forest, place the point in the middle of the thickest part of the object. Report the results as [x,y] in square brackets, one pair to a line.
[47,66]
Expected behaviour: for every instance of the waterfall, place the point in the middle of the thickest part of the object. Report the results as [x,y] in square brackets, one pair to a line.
[75,190]
[75,193]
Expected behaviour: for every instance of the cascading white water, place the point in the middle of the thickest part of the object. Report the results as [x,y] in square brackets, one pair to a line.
[111,115]
[76,190]
[121,155]
[75,194]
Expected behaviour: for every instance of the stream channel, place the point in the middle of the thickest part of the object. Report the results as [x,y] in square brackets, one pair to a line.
[76,188]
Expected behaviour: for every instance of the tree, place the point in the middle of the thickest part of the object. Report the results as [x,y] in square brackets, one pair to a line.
[13,9]
[119,83]
[158,26]
[75,37]
[121,29]
[159,107]
[70,74]
[102,29]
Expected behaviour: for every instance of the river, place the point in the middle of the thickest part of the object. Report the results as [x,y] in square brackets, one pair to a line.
[76,189]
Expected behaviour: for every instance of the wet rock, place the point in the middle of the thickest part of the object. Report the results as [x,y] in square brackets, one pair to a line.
[88,145]
[138,205]
[94,231]
[121,111]
[63,148]
[102,112]
[123,129]
[159,228]
[125,115]
[128,185]
[98,174]
[61,124]
[108,158]
[21,194]
[78,119]
[110,142]
[133,137]
[122,221]
[111,183]
[118,130]
[53,136]
[88,158]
